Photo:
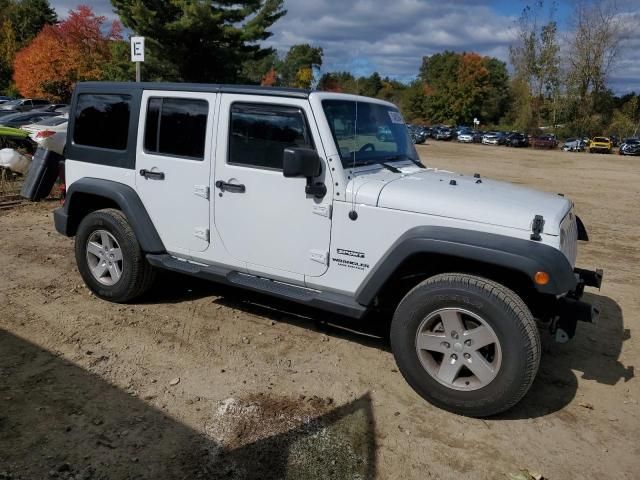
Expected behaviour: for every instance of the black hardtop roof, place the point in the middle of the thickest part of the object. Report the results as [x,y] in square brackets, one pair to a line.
[104,87]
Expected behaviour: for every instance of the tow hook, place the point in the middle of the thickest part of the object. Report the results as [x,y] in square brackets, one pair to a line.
[570,311]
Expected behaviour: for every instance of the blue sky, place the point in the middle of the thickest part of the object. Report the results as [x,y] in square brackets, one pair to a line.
[392,36]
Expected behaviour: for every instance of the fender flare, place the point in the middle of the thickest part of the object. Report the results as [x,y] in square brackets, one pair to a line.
[524,256]
[127,200]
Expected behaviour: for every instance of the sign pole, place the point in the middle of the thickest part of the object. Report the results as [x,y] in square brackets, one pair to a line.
[137,54]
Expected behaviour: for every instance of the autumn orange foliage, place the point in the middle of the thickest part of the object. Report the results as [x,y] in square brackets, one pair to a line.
[63,54]
[270,78]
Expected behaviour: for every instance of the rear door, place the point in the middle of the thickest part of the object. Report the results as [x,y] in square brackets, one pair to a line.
[173,163]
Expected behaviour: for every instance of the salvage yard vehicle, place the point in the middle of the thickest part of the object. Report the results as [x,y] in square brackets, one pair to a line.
[517,140]
[630,146]
[573,145]
[600,145]
[544,141]
[465,137]
[290,193]
[17,120]
[23,104]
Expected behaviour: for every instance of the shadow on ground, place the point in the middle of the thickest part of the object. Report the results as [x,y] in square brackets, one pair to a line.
[58,420]
[594,351]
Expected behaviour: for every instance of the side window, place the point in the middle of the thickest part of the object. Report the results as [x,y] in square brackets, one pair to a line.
[102,120]
[176,127]
[259,134]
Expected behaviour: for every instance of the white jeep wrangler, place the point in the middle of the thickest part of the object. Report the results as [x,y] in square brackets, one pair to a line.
[293,194]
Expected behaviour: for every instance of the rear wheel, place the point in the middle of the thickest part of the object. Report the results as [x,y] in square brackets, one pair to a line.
[466,344]
[109,257]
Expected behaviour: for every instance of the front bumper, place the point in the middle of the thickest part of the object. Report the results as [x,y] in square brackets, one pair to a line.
[570,309]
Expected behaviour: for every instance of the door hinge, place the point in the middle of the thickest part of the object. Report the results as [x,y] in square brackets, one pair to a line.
[201,191]
[322,209]
[202,233]
[319,256]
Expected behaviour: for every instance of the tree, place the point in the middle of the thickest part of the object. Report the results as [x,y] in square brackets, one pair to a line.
[204,41]
[74,50]
[596,41]
[7,52]
[460,86]
[270,78]
[20,21]
[296,68]
[29,16]
[536,58]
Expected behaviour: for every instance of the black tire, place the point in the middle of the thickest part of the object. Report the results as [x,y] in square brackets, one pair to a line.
[137,274]
[501,309]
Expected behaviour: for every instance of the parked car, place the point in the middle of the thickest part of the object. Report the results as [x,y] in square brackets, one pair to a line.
[50,133]
[15,138]
[573,145]
[465,137]
[493,138]
[477,136]
[615,141]
[418,133]
[54,107]
[600,145]
[544,141]
[517,140]
[630,146]
[467,264]
[24,104]
[444,133]
[18,120]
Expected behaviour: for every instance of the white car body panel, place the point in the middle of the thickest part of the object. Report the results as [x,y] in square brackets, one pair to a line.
[273,226]
[176,207]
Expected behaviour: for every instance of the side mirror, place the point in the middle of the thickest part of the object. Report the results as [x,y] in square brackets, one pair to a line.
[301,162]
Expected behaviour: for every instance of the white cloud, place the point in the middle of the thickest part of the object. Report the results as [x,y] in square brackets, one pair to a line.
[392,36]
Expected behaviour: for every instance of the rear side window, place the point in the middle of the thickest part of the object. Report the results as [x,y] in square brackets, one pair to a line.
[102,120]
[260,133]
[176,127]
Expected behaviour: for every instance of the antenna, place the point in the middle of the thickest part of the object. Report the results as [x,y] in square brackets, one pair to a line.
[353,215]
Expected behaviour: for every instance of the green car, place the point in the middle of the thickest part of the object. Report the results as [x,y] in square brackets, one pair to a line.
[16,138]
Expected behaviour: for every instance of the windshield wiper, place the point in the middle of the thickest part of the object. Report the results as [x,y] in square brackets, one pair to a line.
[403,156]
[390,167]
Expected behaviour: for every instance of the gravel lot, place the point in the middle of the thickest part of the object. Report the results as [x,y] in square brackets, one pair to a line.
[200,381]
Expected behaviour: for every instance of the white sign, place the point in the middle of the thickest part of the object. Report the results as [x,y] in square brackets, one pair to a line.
[137,49]
[476,121]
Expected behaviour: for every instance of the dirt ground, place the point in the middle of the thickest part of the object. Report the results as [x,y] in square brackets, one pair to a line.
[200,381]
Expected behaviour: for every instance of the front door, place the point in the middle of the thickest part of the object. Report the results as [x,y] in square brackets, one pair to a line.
[263,218]
[173,165]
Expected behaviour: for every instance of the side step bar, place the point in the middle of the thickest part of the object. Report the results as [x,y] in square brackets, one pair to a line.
[332,302]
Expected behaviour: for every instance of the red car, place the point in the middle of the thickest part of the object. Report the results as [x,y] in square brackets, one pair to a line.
[544,141]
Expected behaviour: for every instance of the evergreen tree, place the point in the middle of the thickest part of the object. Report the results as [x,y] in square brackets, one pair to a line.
[206,41]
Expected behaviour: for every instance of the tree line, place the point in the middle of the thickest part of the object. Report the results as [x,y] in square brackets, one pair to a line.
[557,81]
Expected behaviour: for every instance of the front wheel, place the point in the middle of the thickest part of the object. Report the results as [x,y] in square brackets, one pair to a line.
[466,344]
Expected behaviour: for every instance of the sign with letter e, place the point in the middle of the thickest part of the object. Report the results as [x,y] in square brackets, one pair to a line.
[137,49]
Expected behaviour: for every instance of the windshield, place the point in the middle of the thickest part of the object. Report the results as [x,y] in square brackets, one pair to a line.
[376,134]
[12,102]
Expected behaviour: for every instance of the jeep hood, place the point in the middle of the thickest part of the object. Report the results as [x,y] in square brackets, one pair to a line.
[447,194]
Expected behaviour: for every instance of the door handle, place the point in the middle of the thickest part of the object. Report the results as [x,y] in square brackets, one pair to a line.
[230,187]
[152,175]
